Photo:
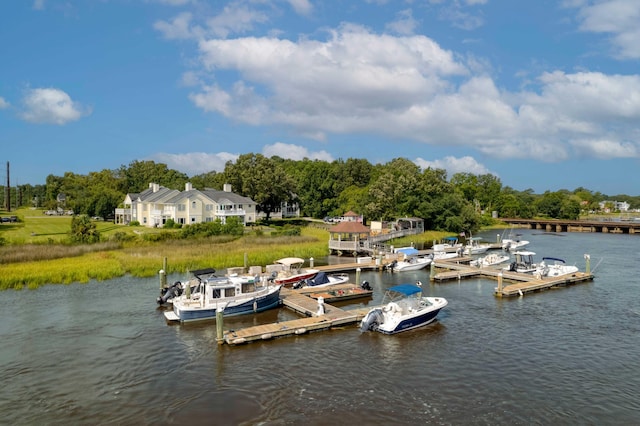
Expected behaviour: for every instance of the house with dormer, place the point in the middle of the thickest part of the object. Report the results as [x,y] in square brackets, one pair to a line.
[157,204]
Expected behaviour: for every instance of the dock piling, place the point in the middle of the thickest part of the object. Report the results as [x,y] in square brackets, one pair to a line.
[219,326]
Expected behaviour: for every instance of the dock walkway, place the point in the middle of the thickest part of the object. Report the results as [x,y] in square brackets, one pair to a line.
[523,283]
[300,301]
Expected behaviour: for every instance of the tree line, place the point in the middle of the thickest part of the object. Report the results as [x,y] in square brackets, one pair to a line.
[398,188]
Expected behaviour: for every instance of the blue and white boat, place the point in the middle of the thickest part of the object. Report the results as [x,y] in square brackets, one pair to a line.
[232,295]
[404,308]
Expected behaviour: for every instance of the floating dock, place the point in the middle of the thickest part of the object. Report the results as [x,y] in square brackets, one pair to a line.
[303,302]
[522,283]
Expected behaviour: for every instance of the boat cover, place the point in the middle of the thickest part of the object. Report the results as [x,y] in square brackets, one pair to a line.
[406,289]
[409,251]
[555,259]
[320,278]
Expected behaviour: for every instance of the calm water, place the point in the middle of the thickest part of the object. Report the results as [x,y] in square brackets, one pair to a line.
[102,353]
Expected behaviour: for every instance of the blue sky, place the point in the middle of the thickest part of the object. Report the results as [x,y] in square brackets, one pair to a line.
[543,94]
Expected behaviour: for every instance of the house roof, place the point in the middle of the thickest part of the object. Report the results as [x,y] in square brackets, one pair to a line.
[351,213]
[172,196]
[350,228]
[218,196]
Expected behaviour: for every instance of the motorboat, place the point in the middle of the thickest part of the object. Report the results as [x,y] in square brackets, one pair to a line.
[474,246]
[322,279]
[206,294]
[440,252]
[289,271]
[451,243]
[411,260]
[555,269]
[523,263]
[513,242]
[514,245]
[490,260]
[404,308]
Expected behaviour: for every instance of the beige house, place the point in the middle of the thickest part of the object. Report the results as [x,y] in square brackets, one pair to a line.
[155,205]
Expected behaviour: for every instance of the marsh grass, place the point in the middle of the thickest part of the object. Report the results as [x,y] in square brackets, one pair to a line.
[142,259]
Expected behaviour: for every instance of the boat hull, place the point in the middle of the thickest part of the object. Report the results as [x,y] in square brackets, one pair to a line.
[412,322]
[250,306]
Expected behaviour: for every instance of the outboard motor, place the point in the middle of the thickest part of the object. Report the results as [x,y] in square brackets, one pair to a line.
[392,265]
[372,320]
[513,266]
[365,285]
[169,293]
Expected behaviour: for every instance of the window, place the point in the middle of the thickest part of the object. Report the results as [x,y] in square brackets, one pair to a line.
[193,204]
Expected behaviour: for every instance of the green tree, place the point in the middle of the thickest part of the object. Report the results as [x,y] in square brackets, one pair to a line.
[263,180]
[83,230]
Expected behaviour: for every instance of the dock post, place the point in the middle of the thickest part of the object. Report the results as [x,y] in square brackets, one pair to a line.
[163,280]
[163,274]
[587,258]
[311,262]
[219,326]
[432,272]
[500,283]
[358,276]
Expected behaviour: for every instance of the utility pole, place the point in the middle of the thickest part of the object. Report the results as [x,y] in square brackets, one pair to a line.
[7,197]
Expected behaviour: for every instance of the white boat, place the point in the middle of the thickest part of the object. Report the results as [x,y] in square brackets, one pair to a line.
[323,279]
[490,260]
[289,271]
[451,243]
[555,269]
[411,261]
[440,253]
[513,242]
[514,245]
[475,247]
[231,295]
[524,262]
[404,309]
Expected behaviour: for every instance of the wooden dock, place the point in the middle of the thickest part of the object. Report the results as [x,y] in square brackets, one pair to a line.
[302,302]
[522,283]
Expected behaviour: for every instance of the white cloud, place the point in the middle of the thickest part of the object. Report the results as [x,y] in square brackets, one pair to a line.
[454,165]
[620,18]
[404,23]
[606,149]
[3,103]
[38,5]
[302,7]
[179,28]
[175,2]
[195,163]
[235,18]
[51,106]
[294,152]
[409,88]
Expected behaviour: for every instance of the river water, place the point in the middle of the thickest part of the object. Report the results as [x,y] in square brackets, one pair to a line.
[102,353]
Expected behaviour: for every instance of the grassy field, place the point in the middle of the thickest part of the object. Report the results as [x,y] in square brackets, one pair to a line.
[37,252]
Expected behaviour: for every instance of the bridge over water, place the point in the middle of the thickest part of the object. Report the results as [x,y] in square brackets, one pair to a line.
[560,225]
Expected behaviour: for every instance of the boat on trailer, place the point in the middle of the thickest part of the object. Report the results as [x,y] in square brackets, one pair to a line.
[404,308]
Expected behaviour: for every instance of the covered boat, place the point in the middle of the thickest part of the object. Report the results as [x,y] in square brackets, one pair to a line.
[322,279]
[404,309]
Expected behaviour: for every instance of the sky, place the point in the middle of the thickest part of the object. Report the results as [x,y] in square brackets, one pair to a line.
[543,94]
